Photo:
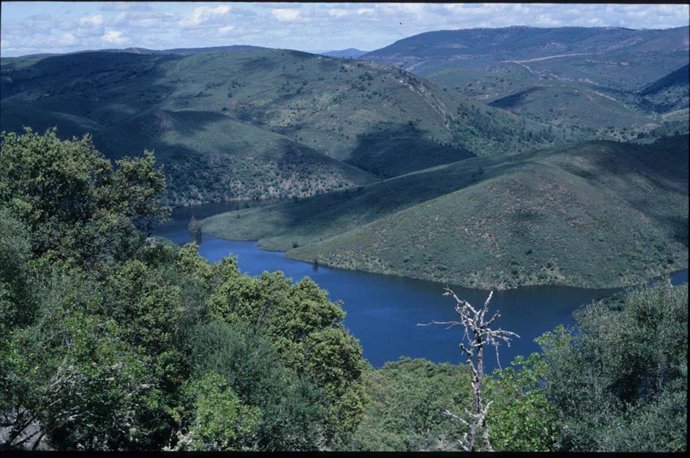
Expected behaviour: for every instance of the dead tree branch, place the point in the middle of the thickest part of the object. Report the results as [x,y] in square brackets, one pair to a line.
[477,336]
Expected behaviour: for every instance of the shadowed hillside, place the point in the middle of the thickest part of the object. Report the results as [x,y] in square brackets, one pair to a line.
[597,215]
[258,123]
[669,93]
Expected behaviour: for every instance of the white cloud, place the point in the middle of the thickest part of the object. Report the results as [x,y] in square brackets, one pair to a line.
[204,14]
[365,11]
[125,6]
[143,19]
[286,14]
[66,39]
[114,37]
[338,12]
[94,20]
[227,29]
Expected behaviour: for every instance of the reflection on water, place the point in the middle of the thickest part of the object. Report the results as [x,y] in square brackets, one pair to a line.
[383,311]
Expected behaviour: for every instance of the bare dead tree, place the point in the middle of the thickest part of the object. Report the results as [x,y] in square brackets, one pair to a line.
[478,335]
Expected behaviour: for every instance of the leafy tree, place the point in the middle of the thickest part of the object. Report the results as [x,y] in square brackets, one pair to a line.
[194,228]
[74,205]
[291,407]
[306,330]
[75,380]
[16,301]
[620,382]
[521,418]
[87,360]
[220,420]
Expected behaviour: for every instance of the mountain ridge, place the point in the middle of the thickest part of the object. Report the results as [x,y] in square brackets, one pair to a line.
[334,107]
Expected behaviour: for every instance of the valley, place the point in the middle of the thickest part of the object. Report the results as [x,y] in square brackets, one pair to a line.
[459,240]
[470,157]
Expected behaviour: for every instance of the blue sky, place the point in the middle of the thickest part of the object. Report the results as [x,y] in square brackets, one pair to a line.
[56,27]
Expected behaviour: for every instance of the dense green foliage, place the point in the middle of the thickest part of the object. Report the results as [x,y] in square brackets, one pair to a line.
[112,340]
[599,214]
[69,197]
[409,398]
[617,382]
[137,344]
[521,417]
[407,401]
[620,384]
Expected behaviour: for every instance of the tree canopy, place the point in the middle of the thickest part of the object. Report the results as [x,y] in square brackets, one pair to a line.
[111,339]
[115,340]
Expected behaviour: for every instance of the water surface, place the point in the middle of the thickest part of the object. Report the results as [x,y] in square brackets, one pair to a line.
[383,311]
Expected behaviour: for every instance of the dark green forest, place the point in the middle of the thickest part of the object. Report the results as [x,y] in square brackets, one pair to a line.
[112,339]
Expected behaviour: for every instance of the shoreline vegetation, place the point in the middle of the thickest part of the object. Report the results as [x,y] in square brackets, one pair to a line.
[162,350]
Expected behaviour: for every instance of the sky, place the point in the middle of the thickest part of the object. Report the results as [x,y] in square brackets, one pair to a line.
[58,27]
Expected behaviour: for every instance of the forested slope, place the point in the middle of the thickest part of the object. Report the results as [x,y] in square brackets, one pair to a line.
[112,340]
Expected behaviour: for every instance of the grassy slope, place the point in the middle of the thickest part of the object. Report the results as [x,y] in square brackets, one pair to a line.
[618,58]
[597,215]
[264,104]
[301,222]
[553,101]
[593,75]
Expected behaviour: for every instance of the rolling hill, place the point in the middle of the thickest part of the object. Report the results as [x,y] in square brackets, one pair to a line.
[259,123]
[669,93]
[596,72]
[597,54]
[598,215]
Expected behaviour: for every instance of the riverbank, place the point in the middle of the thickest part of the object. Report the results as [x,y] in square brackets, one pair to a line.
[383,311]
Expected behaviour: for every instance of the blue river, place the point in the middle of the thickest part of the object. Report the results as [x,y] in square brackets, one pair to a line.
[383,311]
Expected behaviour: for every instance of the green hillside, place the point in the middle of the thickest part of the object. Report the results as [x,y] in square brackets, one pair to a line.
[605,113]
[614,57]
[258,123]
[572,104]
[589,78]
[600,214]
[284,225]
[669,93]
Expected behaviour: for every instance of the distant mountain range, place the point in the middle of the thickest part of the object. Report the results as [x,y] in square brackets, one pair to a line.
[345,53]
[578,50]
[596,74]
